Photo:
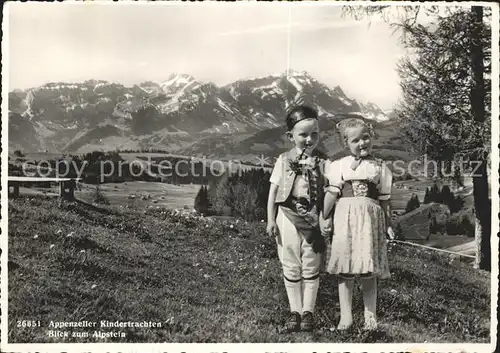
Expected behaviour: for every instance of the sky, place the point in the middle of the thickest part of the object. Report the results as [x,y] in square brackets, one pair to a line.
[217,42]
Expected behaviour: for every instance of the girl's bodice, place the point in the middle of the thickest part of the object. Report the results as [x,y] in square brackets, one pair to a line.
[371,178]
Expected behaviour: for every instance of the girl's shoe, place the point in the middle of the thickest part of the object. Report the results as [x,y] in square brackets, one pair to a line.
[307,321]
[293,323]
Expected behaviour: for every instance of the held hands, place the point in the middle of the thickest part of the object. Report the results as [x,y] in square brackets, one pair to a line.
[325,225]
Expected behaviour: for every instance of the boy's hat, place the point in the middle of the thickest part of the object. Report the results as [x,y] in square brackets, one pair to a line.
[298,113]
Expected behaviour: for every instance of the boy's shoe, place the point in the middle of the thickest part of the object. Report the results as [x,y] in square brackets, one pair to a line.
[293,323]
[307,322]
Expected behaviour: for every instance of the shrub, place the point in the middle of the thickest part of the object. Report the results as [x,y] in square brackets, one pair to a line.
[242,195]
[398,233]
[99,197]
[461,223]
[437,226]
[245,201]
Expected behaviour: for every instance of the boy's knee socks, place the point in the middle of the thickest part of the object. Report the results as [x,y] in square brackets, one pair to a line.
[310,293]
[294,293]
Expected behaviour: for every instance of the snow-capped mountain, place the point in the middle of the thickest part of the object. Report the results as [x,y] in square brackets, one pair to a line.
[372,111]
[70,116]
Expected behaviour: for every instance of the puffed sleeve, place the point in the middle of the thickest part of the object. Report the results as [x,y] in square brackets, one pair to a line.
[334,175]
[277,172]
[385,183]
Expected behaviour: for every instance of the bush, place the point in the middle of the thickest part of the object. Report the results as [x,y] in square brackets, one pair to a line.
[99,197]
[245,201]
[398,233]
[461,223]
[433,225]
[437,226]
[242,195]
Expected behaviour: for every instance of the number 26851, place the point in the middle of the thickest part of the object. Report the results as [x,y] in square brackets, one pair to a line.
[28,323]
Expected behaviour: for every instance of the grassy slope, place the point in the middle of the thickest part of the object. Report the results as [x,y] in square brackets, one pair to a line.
[208,282]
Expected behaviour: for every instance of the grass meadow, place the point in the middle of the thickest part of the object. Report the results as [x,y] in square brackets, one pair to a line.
[209,280]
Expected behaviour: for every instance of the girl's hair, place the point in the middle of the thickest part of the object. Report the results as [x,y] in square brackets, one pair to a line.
[299,113]
[348,123]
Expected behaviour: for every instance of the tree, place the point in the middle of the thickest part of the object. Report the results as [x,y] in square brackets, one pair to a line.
[432,225]
[417,201]
[456,205]
[434,194]
[447,197]
[427,196]
[444,112]
[398,233]
[201,203]
[412,204]
[478,97]
[18,153]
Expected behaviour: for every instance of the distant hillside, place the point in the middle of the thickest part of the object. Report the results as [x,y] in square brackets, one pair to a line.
[271,142]
[415,224]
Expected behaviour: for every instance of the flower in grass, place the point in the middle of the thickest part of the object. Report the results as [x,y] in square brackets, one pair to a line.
[93,286]
[231,226]
[35,236]
[51,246]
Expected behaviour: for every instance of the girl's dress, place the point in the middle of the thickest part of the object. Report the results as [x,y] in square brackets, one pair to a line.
[359,243]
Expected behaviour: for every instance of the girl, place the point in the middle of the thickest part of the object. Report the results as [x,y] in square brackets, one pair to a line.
[361,221]
[295,198]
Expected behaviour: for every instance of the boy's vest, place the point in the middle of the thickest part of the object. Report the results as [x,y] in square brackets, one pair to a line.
[288,177]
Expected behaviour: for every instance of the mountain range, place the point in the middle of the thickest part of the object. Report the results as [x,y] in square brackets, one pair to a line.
[179,114]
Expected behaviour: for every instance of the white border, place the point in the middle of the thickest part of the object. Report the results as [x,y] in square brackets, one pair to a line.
[266,347]
[4,167]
